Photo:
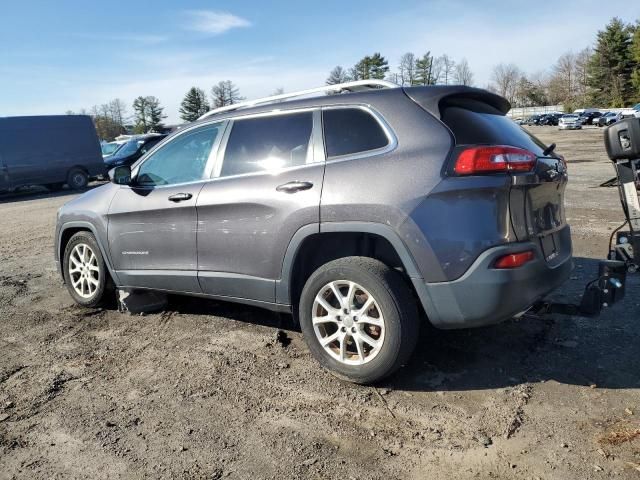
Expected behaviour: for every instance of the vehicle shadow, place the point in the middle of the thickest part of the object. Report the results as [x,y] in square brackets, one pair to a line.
[38,192]
[603,351]
[572,350]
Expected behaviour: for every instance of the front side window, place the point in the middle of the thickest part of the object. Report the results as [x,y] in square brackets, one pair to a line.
[350,131]
[268,143]
[182,160]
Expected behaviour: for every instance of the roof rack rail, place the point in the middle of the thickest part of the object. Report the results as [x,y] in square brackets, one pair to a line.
[358,85]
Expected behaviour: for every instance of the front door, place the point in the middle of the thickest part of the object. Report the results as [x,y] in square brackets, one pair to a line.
[267,186]
[153,222]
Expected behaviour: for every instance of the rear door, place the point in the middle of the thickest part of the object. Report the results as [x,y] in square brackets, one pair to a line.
[267,186]
[153,223]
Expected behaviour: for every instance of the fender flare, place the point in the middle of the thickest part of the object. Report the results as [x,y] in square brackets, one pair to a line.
[283,290]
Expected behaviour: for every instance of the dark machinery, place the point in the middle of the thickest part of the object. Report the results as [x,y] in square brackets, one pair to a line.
[622,141]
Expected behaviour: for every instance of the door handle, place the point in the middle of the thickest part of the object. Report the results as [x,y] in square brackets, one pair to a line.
[293,187]
[180,197]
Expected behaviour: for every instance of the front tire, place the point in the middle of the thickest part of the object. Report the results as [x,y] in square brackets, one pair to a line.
[359,319]
[85,272]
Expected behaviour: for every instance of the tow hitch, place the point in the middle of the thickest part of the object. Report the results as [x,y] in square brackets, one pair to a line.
[600,293]
[622,141]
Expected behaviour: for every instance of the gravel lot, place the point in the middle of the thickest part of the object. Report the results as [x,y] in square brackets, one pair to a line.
[210,390]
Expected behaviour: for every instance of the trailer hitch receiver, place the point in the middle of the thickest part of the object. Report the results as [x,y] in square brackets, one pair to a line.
[600,293]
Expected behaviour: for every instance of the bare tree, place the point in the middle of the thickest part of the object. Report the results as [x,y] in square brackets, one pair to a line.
[225,93]
[462,74]
[337,75]
[407,69]
[504,81]
[581,75]
[448,64]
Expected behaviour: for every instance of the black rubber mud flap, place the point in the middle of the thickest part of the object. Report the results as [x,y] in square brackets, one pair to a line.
[135,302]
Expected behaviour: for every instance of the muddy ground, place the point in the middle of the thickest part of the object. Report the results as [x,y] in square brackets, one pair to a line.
[209,390]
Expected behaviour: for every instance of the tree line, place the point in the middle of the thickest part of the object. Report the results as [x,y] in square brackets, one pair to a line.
[605,75]
[111,119]
[426,69]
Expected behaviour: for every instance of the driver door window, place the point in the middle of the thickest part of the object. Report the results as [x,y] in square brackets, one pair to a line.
[182,160]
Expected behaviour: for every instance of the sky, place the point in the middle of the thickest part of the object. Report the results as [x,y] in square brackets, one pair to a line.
[72,54]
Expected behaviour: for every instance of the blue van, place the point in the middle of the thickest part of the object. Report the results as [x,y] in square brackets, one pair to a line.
[49,150]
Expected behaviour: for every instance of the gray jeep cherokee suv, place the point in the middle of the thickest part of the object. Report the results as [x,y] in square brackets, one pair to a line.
[360,213]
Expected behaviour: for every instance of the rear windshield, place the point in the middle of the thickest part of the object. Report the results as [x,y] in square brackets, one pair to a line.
[476,123]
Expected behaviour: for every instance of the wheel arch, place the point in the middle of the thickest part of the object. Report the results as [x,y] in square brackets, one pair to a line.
[348,239]
[68,230]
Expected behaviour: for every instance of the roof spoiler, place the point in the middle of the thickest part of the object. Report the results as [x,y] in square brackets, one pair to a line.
[431,97]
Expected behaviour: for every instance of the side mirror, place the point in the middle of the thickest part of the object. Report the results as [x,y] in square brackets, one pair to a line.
[120,175]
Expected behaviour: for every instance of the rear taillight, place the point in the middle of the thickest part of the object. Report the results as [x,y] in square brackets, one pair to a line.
[494,159]
[514,260]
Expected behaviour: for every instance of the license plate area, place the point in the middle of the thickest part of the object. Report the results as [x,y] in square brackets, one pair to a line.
[549,247]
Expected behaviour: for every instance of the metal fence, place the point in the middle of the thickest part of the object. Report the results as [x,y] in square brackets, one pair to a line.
[524,112]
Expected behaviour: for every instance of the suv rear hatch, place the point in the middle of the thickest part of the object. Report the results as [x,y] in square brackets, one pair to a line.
[476,118]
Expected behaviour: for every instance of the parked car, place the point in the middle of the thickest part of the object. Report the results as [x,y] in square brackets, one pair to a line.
[48,150]
[550,119]
[609,118]
[355,212]
[588,118]
[570,121]
[132,149]
[533,120]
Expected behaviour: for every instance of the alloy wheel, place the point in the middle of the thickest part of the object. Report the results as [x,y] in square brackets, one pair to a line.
[84,271]
[348,322]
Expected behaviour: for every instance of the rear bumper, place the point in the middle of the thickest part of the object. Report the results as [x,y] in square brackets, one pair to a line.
[485,296]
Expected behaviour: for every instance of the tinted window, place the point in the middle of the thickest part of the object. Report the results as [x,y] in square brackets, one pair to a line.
[183,159]
[475,122]
[351,130]
[268,143]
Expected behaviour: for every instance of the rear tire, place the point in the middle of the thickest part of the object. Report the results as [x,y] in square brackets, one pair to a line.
[374,323]
[77,179]
[85,272]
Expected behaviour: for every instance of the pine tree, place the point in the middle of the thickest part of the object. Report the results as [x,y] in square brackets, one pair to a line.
[337,75]
[362,69]
[140,114]
[148,114]
[156,113]
[611,66]
[635,54]
[378,66]
[424,70]
[194,105]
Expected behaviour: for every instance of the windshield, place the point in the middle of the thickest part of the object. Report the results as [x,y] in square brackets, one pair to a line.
[571,117]
[109,148]
[128,148]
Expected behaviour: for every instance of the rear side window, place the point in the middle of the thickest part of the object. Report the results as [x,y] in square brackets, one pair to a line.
[268,143]
[349,131]
[477,123]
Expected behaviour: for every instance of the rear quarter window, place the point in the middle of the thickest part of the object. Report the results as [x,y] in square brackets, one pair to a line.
[476,123]
[349,131]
